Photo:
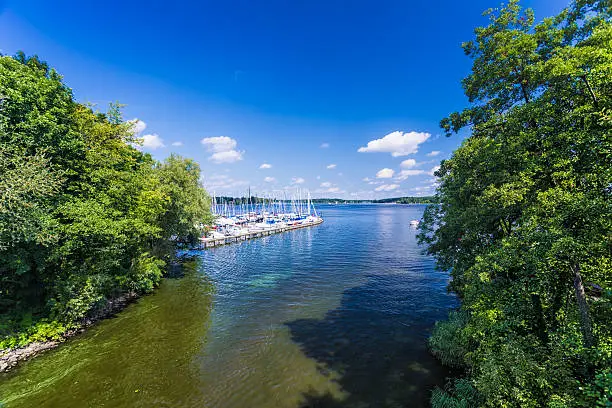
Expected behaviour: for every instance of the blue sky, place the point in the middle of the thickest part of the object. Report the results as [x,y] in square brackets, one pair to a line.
[339,97]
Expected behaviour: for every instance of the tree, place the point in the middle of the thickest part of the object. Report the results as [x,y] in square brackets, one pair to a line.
[26,185]
[525,208]
[189,204]
[84,215]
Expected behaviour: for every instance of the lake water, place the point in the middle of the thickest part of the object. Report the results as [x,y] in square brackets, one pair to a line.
[335,315]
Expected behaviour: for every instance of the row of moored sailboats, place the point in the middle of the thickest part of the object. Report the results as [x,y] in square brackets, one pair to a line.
[262,216]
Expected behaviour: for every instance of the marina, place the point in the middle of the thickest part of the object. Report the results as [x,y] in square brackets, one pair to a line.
[258,217]
[245,234]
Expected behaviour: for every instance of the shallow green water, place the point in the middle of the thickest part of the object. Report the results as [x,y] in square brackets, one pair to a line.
[331,316]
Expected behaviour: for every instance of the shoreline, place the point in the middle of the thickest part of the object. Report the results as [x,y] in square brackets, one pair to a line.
[206,243]
[11,358]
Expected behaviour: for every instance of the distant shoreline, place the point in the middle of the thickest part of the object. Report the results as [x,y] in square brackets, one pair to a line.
[393,200]
[372,202]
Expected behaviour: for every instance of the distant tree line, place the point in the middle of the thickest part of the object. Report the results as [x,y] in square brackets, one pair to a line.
[396,200]
[408,200]
[524,221]
[259,200]
[240,200]
[84,215]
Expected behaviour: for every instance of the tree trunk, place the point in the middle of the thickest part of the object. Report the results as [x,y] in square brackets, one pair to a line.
[585,319]
[593,97]
[525,94]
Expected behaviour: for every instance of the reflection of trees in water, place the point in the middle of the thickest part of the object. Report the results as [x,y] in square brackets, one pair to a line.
[376,342]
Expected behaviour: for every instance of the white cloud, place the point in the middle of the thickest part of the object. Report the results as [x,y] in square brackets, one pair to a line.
[223,149]
[362,193]
[385,173]
[366,179]
[324,145]
[138,126]
[433,153]
[222,182]
[433,170]
[152,142]
[231,156]
[397,143]
[269,179]
[387,187]
[219,143]
[265,166]
[331,166]
[216,177]
[177,144]
[297,180]
[408,164]
[404,174]
[425,190]
[318,177]
[329,188]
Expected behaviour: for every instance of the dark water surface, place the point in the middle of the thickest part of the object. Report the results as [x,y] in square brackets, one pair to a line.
[331,316]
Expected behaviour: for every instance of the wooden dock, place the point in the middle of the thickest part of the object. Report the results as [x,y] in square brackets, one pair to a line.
[230,239]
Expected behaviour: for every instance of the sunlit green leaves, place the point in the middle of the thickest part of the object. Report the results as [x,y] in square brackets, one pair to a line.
[525,216]
[84,215]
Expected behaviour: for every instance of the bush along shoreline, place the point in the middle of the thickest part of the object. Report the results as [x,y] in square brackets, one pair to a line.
[46,336]
[88,222]
[525,213]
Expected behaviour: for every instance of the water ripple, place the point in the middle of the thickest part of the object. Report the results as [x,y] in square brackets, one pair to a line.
[331,316]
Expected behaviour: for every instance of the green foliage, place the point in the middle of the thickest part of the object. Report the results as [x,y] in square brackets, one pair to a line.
[407,200]
[599,394]
[26,183]
[447,341]
[525,215]
[395,200]
[145,274]
[84,215]
[188,204]
[459,394]
[43,330]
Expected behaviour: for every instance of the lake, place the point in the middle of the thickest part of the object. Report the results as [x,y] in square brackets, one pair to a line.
[335,315]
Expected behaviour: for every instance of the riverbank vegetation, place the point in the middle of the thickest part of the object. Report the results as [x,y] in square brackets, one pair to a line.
[84,215]
[524,221]
[408,200]
[395,200]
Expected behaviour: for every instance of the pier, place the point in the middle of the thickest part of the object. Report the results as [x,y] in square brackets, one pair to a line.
[230,239]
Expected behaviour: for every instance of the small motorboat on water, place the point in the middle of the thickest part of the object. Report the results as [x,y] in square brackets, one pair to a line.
[415,223]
